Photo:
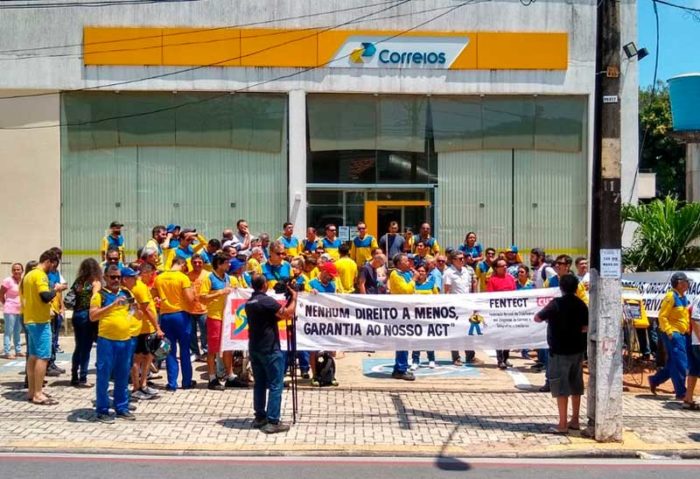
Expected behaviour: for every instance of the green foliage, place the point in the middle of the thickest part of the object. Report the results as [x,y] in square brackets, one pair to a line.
[665,231]
[660,152]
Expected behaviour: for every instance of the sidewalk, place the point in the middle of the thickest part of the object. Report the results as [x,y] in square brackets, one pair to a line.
[365,416]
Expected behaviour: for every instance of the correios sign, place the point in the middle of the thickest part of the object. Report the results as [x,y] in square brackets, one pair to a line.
[408,52]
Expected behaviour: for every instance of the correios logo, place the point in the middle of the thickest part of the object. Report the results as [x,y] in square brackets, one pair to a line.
[364,53]
[403,52]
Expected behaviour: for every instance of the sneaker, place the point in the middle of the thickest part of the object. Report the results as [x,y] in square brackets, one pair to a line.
[270,428]
[335,383]
[457,362]
[509,364]
[105,418]
[259,422]
[406,376]
[193,385]
[140,395]
[150,391]
[57,368]
[414,366]
[236,383]
[315,383]
[59,349]
[215,385]
[545,389]
[126,415]
[84,385]
[502,365]
[132,407]
[52,372]
[305,375]
[431,364]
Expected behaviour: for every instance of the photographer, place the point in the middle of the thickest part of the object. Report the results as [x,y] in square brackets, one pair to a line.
[266,356]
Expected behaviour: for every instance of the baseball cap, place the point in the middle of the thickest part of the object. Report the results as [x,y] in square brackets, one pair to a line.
[512,249]
[236,264]
[116,224]
[327,257]
[171,228]
[129,273]
[188,230]
[680,276]
[329,268]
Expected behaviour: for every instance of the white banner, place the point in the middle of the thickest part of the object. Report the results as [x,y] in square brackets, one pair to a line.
[342,322]
[234,332]
[654,285]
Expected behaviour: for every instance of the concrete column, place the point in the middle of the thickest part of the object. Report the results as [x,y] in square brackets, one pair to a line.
[692,172]
[297,161]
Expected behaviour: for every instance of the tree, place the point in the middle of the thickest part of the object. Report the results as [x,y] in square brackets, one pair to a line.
[659,151]
[664,236]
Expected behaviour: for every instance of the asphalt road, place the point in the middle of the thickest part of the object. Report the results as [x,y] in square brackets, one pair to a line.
[36,466]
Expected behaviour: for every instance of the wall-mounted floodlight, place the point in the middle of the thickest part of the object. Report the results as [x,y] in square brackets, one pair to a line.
[631,51]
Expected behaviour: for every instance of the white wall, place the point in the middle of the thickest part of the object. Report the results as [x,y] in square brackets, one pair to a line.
[30,216]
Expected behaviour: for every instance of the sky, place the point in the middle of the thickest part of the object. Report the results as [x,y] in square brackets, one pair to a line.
[679,40]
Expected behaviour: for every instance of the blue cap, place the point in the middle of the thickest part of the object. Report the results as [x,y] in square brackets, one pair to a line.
[513,249]
[171,228]
[129,273]
[236,264]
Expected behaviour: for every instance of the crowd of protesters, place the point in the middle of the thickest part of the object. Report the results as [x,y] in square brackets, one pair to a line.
[177,288]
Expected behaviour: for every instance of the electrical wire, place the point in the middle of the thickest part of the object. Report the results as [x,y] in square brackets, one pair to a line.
[209,65]
[199,30]
[675,5]
[9,5]
[203,42]
[282,77]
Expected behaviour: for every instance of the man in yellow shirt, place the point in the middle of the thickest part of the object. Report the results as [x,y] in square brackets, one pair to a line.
[35,298]
[562,266]
[216,286]
[402,281]
[362,245]
[430,243]
[110,306]
[331,242]
[674,330]
[198,312]
[347,270]
[158,238]
[147,317]
[113,240]
[291,243]
[174,289]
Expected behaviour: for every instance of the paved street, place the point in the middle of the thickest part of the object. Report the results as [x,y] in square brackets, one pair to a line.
[20,466]
[339,421]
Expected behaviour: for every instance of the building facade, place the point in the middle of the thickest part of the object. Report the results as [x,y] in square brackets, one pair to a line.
[474,116]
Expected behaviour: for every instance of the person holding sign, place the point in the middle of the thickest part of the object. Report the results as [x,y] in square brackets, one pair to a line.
[674,324]
[402,281]
[424,285]
[501,280]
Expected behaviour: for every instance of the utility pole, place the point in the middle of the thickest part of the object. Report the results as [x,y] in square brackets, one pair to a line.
[605,338]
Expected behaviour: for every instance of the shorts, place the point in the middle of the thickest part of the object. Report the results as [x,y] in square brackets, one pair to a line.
[694,361]
[565,374]
[214,327]
[39,340]
[142,344]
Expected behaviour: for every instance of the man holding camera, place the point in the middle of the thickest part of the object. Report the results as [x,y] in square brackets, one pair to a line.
[266,355]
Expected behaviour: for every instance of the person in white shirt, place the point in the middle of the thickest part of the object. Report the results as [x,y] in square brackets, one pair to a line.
[693,357]
[541,271]
[459,279]
[582,271]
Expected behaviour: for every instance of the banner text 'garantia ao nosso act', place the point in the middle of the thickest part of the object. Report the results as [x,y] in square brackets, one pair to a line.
[400,322]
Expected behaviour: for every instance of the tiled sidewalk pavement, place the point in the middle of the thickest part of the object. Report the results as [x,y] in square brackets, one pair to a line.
[331,420]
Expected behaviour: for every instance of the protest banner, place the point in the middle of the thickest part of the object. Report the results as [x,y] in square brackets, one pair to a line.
[653,286]
[234,336]
[341,322]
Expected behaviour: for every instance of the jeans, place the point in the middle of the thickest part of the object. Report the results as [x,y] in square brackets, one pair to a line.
[468,356]
[415,356]
[502,355]
[13,332]
[112,360]
[56,323]
[401,362]
[643,341]
[304,361]
[474,328]
[201,321]
[177,328]
[677,348]
[84,331]
[543,358]
[268,369]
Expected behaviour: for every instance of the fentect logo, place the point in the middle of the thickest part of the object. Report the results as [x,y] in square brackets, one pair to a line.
[363,54]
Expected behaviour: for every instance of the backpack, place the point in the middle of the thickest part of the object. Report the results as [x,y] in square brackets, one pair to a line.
[241,366]
[324,368]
